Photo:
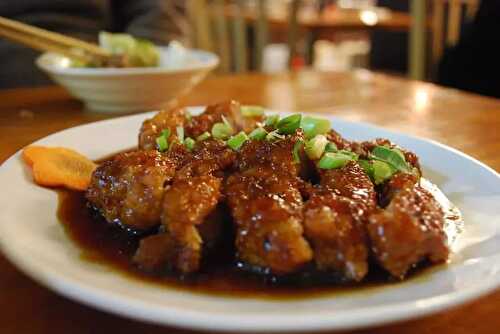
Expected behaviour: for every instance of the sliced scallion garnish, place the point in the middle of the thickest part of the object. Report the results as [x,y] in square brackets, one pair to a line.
[289,124]
[162,143]
[189,143]
[272,120]
[225,121]
[252,111]
[334,160]
[313,126]
[235,142]
[180,133]
[382,171]
[392,156]
[296,151]
[162,140]
[274,135]
[222,130]
[205,135]
[331,147]
[315,147]
[258,134]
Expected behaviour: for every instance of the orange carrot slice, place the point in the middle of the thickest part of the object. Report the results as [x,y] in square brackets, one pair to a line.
[58,166]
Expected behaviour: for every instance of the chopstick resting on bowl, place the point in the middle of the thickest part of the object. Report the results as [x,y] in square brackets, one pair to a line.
[45,40]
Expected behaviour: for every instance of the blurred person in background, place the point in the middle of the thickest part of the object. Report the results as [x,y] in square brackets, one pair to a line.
[474,63]
[157,20]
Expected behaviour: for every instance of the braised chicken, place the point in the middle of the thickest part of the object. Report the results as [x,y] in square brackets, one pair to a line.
[129,188]
[409,229]
[291,196]
[266,204]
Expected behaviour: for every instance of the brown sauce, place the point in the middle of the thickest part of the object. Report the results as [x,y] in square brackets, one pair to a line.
[110,245]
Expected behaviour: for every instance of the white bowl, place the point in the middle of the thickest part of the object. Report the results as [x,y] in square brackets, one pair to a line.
[124,90]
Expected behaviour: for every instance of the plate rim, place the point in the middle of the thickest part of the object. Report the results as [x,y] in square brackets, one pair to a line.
[180,317]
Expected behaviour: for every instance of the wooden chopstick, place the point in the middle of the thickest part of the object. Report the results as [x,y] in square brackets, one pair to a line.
[45,40]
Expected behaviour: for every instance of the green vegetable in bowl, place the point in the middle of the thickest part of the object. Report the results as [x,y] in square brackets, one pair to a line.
[140,52]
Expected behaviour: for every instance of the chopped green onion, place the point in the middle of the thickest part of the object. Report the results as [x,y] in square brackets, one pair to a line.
[162,140]
[274,135]
[316,146]
[165,133]
[222,130]
[314,126]
[189,143]
[225,121]
[334,160]
[236,141]
[205,135]
[180,133]
[367,166]
[272,120]
[258,134]
[289,124]
[382,171]
[350,154]
[162,143]
[331,147]
[252,111]
[296,151]
[393,157]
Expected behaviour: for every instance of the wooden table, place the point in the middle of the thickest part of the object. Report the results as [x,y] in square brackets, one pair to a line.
[467,122]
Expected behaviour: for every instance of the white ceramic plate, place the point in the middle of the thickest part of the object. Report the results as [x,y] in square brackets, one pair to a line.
[32,238]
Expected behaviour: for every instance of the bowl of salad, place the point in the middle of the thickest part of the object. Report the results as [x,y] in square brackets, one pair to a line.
[152,77]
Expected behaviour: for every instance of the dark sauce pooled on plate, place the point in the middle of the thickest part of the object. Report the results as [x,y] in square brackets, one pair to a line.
[221,273]
[111,245]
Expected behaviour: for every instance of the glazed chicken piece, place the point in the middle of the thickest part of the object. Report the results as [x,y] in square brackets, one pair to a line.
[352,182]
[231,110]
[189,206]
[409,229]
[334,219]
[334,228]
[266,204]
[128,189]
[339,141]
[153,127]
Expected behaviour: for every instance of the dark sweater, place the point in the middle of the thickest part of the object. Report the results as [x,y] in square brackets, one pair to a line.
[474,63]
[157,20]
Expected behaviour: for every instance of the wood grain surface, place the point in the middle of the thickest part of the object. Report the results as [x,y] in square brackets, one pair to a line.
[470,123]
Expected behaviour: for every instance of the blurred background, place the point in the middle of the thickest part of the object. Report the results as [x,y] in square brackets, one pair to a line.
[451,42]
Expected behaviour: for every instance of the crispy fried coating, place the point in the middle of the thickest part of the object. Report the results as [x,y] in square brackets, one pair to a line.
[129,188]
[409,229]
[334,220]
[333,225]
[352,182]
[213,114]
[266,205]
[189,203]
[152,128]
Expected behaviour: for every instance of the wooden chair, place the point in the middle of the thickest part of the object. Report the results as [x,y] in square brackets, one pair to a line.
[446,20]
[221,27]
